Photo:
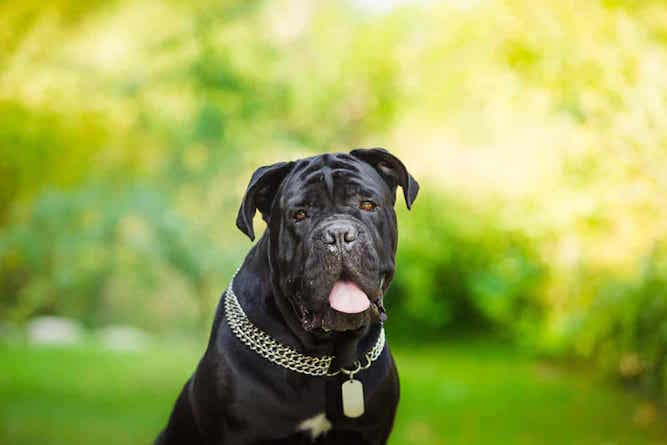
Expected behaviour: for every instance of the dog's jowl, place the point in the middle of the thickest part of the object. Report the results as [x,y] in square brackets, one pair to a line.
[297,352]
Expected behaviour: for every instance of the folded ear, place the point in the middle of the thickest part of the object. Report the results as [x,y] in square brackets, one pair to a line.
[391,169]
[259,195]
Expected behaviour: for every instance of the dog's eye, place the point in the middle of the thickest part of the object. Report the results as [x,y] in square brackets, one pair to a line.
[369,206]
[300,215]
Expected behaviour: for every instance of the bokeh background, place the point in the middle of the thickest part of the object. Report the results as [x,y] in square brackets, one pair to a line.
[530,302]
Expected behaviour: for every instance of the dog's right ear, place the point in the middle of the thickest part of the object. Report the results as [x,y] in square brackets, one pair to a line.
[259,195]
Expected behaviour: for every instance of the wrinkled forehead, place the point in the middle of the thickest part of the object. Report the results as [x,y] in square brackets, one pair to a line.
[335,174]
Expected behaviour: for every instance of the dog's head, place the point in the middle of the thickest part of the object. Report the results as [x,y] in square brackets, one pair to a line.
[331,233]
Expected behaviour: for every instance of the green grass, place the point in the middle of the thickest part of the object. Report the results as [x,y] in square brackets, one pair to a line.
[473,393]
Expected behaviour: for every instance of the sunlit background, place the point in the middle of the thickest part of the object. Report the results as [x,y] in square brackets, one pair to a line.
[530,301]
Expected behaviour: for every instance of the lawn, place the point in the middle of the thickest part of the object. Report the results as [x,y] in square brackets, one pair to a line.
[464,393]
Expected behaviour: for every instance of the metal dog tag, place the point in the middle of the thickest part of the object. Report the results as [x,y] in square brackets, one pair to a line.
[353,398]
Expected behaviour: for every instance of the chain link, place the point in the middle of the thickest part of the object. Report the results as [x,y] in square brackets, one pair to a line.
[262,343]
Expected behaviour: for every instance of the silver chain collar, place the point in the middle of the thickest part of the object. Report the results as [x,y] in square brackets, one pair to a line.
[263,344]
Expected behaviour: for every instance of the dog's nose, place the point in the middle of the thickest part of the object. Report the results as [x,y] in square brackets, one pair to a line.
[340,233]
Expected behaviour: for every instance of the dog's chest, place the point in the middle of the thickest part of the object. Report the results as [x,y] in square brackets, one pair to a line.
[315,426]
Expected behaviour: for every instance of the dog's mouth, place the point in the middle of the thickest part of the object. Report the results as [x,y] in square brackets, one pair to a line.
[349,307]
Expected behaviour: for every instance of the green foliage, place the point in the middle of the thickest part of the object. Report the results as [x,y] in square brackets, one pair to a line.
[626,327]
[41,147]
[460,270]
[68,256]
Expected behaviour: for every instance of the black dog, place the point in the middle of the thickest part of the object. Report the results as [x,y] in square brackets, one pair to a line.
[306,303]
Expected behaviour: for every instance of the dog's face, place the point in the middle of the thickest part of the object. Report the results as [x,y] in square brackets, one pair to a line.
[332,233]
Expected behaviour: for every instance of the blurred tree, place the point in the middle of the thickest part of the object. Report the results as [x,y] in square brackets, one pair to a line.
[462,272]
[129,129]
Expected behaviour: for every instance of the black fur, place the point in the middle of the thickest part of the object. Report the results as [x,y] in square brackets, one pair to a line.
[238,397]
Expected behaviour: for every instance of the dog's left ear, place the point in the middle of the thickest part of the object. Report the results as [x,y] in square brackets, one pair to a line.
[259,195]
[391,169]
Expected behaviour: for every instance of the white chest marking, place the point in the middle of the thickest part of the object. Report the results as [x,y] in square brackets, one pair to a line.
[317,425]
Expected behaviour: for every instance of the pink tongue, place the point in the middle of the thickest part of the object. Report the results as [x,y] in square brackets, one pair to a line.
[346,297]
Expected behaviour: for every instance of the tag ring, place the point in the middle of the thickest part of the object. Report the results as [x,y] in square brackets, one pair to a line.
[351,373]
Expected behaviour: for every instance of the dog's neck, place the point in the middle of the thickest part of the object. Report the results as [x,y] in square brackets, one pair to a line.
[272,312]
